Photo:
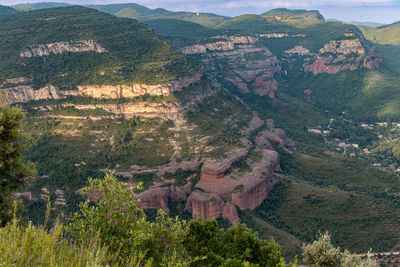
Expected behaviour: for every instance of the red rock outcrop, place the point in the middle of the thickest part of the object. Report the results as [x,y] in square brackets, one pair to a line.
[277,135]
[249,68]
[204,205]
[256,186]
[216,168]
[263,87]
[347,55]
[223,188]
[230,213]
[159,197]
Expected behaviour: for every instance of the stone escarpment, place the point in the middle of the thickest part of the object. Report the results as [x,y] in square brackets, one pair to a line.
[22,93]
[25,93]
[132,90]
[222,187]
[57,48]
[335,56]
[248,67]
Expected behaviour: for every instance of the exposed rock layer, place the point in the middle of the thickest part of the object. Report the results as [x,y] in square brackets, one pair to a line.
[62,47]
[25,93]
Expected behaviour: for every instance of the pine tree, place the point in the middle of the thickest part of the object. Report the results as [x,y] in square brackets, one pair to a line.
[13,170]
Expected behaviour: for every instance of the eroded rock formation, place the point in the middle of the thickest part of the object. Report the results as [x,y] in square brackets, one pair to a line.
[57,48]
[335,56]
[25,93]
[132,90]
[159,197]
[223,187]
[249,68]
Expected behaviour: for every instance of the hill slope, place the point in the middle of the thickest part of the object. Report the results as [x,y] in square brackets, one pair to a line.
[291,16]
[142,13]
[104,93]
[6,10]
[35,6]
[387,34]
[106,49]
[304,75]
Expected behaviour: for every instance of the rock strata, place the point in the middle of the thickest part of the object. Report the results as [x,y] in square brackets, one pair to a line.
[25,93]
[57,48]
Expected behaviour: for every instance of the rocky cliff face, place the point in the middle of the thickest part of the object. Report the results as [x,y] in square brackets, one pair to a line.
[335,56]
[246,66]
[227,45]
[251,67]
[222,187]
[26,93]
[57,48]
[128,91]
[343,47]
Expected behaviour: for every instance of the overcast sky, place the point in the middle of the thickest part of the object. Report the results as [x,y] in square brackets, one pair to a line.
[384,11]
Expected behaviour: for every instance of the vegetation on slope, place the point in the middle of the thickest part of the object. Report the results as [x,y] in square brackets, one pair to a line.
[35,6]
[134,52]
[387,34]
[142,13]
[288,15]
[255,24]
[115,232]
[14,171]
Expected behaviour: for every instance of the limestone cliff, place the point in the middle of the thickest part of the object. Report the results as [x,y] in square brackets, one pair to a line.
[132,90]
[25,93]
[57,48]
[343,47]
[227,45]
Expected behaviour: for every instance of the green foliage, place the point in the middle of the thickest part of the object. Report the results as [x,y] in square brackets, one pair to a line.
[255,24]
[321,253]
[287,14]
[213,246]
[34,6]
[13,170]
[34,246]
[134,54]
[122,226]
[387,34]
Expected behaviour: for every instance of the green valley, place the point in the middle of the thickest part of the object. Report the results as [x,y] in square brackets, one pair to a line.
[283,121]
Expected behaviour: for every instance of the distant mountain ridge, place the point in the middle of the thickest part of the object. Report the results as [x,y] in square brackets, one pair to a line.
[136,11]
[35,6]
[299,14]
[6,10]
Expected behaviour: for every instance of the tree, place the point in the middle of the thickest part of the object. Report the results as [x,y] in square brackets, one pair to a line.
[13,170]
[321,253]
[122,226]
[238,246]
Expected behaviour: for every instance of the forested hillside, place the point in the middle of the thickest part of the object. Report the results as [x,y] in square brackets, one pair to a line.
[283,121]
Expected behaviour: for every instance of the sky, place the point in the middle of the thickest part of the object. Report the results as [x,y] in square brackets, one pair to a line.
[382,11]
